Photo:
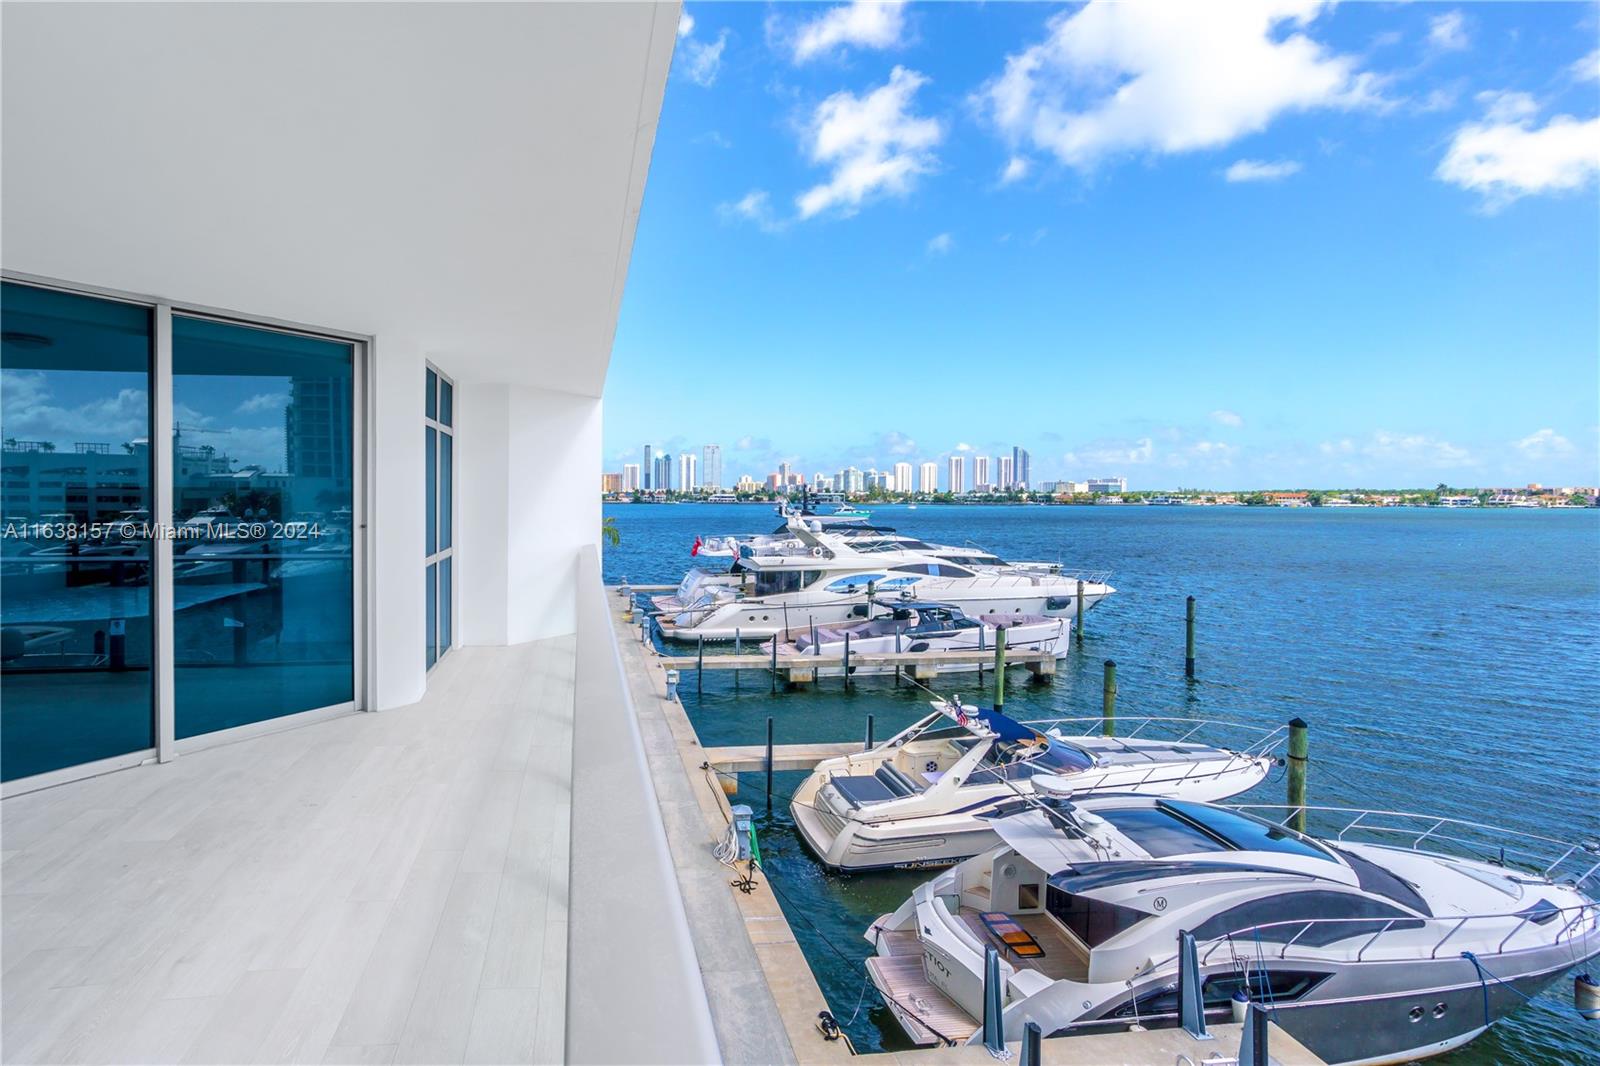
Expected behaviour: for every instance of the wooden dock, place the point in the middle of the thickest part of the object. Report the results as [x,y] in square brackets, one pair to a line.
[919,665]
[748,758]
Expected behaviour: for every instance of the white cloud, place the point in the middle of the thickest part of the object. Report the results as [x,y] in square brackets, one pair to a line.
[861,24]
[941,244]
[1544,443]
[1504,156]
[1587,68]
[1261,170]
[685,24]
[713,138]
[702,61]
[755,206]
[1117,78]
[1411,448]
[264,401]
[1112,453]
[1226,418]
[1448,32]
[873,142]
[1016,169]
[963,447]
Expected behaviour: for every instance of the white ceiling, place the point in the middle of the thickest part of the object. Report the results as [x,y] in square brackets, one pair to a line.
[463,177]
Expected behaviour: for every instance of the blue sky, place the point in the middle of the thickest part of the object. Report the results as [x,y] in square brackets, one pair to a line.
[1275,245]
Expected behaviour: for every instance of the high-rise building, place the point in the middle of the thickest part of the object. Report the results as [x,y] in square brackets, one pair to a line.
[980,473]
[957,474]
[902,477]
[1022,476]
[663,475]
[783,477]
[1008,476]
[1108,484]
[630,477]
[928,479]
[853,479]
[610,482]
[688,472]
[711,468]
[649,465]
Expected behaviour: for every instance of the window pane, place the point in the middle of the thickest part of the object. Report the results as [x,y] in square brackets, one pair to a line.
[445,606]
[430,491]
[262,497]
[432,596]
[446,476]
[431,404]
[75,610]
[447,402]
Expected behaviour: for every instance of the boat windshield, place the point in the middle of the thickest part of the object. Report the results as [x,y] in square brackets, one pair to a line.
[1061,758]
[1178,827]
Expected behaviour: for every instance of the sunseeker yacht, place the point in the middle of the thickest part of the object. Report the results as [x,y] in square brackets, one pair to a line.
[921,798]
[823,579]
[916,626]
[1392,938]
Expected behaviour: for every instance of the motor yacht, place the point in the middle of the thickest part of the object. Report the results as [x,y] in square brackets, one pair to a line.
[924,627]
[1393,937]
[821,579]
[922,797]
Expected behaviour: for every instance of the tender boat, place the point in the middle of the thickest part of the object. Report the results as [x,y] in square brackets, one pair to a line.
[922,627]
[1392,938]
[923,797]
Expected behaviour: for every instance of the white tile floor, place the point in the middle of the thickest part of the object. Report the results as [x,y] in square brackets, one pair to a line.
[379,888]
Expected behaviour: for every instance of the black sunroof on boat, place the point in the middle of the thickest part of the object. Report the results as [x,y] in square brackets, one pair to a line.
[1243,832]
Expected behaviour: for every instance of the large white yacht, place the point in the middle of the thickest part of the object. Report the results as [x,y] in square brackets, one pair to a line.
[820,578]
[916,628]
[921,798]
[1395,937]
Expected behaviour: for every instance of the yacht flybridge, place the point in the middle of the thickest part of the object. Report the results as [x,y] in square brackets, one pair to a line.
[922,797]
[819,578]
[915,626]
[1394,937]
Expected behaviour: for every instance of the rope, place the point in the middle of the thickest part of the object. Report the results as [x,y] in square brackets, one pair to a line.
[1483,973]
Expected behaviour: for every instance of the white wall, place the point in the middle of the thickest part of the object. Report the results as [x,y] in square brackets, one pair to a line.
[482,481]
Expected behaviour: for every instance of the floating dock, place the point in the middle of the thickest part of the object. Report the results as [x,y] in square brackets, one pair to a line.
[919,665]
[764,997]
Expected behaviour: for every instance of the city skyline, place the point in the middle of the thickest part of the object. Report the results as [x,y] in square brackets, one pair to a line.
[1380,269]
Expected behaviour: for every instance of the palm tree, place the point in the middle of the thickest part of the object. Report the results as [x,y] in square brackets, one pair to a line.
[609,530]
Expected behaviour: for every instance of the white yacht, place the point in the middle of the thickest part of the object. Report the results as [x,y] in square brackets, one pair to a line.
[820,579]
[923,797]
[922,627]
[1395,937]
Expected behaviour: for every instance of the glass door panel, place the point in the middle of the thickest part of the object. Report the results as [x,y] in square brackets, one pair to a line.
[75,635]
[263,495]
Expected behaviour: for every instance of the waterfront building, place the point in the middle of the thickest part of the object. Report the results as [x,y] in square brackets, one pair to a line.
[746,483]
[1021,463]
[630,477]
[688,472]
[955,474]
[981,481]
[610,482]
[1073,488]
[278,793]
[783,478]
[902,477]
[1116,485]
[711,467]
[928,478]
[1008,478]
[663,478]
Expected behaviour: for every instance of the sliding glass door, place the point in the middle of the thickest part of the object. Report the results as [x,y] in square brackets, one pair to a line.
[140,609]
[439,440]
[75,634]
[263,474]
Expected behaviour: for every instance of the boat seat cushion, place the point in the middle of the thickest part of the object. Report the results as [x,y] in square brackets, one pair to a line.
[897,780]
[860,791]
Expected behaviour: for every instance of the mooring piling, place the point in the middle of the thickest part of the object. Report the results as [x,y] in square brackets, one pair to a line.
[774,665]
[1078,621]
[847,660]
[869,733]
[1299,746]
[769,763]
[1108,700]
[700,667]
[1188,640]
[999,667]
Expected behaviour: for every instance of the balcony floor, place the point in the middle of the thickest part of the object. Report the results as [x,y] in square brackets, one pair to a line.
[377,888]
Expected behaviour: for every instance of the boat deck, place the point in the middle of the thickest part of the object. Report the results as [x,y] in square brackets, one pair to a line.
[929,1013]
[1062,958]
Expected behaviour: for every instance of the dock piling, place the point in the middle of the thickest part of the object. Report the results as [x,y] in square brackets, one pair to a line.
[774,665]
[769,762]
[847,660]
[994,1036]
[700,667]
[1078,621]
[869,733]
[1108,700]
[1188,641]
[1299,747]
[981,647]
[999,667]
[1031,1034]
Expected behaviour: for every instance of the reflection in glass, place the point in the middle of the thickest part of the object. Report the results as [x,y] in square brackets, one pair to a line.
[262,506]
[75,638]
[444,605]
[431,638]
[432,399]
[446,402]
[431,489]
[446,469]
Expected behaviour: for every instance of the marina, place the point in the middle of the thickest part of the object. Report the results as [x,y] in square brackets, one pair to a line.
[734,761]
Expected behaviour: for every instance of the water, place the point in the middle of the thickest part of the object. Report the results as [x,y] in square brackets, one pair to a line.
[1448,661]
